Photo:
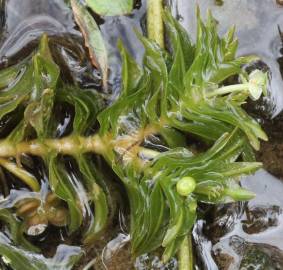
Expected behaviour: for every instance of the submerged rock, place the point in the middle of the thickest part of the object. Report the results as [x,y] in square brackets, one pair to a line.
[262,257]
[236,253]
[260,218]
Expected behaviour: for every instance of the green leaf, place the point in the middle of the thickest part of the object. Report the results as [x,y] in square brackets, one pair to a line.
[10,74]
[61,184]
[173,137]
[38,113]
[131,71]
[33,77]
[64,259]
[17,92]
[87,103]
[16,230]
[97,196]
[25,176]
[93,37]
[111,8]
[46,72]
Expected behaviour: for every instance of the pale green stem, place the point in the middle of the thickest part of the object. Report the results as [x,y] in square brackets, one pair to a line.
[229,89]
[185,255]
[155,27]
[71,145]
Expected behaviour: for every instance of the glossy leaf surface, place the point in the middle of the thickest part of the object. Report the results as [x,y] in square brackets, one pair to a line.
[111,8]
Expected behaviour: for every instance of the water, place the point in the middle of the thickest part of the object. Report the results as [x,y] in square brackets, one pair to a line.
[226,234]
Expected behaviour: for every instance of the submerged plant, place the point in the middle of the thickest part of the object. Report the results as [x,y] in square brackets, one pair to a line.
[174,96]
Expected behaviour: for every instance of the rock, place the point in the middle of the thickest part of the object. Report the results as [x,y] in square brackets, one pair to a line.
[235,253]
[260,218]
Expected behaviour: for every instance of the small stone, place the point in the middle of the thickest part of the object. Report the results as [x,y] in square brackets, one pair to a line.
[36,229]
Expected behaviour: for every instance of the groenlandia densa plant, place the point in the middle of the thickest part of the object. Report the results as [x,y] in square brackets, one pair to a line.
[176,94]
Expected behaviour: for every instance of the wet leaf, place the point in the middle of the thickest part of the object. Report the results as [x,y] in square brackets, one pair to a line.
[38,113]
[131,71]
[97,196]
[35,78]
[61,184]
[22,174]
[9,75]
[45,70]
[16,230]
[111,8]
[20,259]
[87,104]
[93,38]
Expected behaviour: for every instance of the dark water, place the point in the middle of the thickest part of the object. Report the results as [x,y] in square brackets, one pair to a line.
[234,236]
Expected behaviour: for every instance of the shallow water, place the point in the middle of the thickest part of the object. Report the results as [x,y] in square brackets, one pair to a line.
[226,234]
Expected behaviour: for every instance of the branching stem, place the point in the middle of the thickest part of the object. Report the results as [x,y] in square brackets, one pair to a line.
[68,146]
[229,89]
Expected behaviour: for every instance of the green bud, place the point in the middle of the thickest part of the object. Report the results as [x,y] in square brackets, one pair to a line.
[186,185]
[257,84]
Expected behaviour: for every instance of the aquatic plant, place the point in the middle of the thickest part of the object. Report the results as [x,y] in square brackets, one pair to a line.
[175,95]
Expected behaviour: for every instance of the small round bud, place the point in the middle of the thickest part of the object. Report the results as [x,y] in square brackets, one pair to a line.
[186,185]
[257,84]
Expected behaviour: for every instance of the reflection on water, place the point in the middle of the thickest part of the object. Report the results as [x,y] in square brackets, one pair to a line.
[27,20]
[229,237]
